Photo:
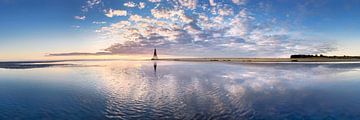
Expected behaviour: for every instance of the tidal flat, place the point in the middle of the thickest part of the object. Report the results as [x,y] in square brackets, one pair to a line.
[123,89]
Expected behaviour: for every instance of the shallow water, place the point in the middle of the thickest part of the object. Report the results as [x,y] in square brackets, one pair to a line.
[181,90]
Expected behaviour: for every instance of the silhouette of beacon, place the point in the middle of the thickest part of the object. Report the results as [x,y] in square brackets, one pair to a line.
[155,57]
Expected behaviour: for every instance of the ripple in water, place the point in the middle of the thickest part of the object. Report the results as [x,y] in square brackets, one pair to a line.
[223,91]
[182,90]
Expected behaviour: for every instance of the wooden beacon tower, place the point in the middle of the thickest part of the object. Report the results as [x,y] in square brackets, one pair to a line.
[155,57]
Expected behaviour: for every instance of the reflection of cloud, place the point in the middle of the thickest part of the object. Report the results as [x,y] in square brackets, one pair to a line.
[203,88]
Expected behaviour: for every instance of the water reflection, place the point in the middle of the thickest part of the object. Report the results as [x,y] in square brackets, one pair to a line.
[225,91]
[20,65]
[182,90]
[155,66]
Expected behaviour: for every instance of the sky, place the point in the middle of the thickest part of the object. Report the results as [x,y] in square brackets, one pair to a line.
[54,29]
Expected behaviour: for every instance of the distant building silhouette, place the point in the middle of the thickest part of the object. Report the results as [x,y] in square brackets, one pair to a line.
[155,57]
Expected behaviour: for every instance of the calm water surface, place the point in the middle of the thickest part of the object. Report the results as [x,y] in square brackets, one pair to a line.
[181,90]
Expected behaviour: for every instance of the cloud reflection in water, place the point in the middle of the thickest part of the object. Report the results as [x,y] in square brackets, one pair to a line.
[181,90]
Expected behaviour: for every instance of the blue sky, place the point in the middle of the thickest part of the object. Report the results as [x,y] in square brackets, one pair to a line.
[223,28]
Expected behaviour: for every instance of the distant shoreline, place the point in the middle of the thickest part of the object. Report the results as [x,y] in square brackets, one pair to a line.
[199,60]
[249,60]
[51,63]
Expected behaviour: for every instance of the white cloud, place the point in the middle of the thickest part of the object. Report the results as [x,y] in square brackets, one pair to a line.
[99,22]
[80,17]
[141,5]
[212,2]
[173,15]
[187,29]
[90,4]
[112,13]
[225,12]
[76,26]
[190,4]
[239,2]
[154,1]
[130,4]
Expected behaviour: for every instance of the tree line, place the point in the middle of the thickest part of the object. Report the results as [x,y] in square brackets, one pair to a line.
[322,56]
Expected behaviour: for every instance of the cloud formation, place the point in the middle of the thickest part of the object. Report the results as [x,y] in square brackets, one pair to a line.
[90,4]
[198,28]
[238,2]
[80,17]
[130,4]
[111,13]
[79,54]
